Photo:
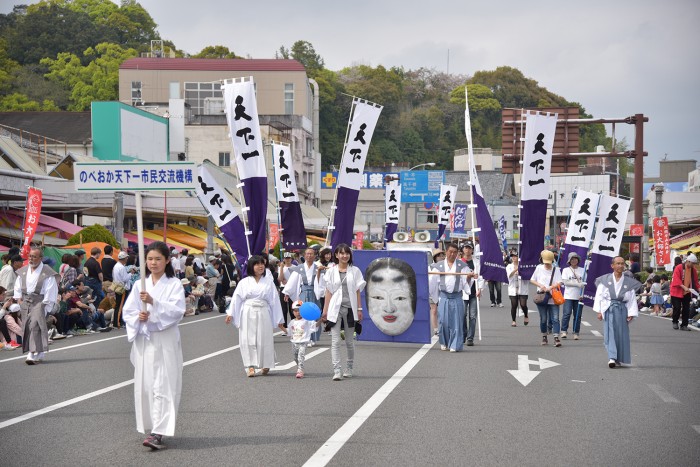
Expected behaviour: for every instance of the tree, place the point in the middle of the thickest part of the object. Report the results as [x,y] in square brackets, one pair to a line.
[304,53]
[17,102]
[216,51]
[96,81]
[94,233]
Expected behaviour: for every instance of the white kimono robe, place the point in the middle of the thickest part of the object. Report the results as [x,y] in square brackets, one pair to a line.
[355,283]
[256,311]
[156,354]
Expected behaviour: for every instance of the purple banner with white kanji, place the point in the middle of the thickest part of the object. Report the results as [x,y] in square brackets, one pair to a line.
[225,215]
[448,195]
[363,121]
[491,260]
[392,206]
[612,217]
[293,230]
[579,231]
[537,165]
[242,117]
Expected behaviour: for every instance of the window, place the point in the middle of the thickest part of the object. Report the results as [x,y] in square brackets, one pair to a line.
[427,217]
[379,218]
[289,98]
[136,92]
[204,98]
[366,217]
[309,147]
[224,159]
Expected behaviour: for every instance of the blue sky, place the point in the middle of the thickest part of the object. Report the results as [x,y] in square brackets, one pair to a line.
[616,58]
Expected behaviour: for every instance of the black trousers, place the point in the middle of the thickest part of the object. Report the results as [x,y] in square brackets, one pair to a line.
[681,308]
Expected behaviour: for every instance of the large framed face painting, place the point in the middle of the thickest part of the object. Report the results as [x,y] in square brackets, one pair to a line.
[395,299]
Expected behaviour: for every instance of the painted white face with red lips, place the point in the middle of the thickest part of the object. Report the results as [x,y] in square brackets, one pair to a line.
[389,301]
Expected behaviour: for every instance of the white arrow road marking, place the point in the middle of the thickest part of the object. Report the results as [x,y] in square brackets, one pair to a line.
[596,333]
[586,323]
[524,375]
[663,394]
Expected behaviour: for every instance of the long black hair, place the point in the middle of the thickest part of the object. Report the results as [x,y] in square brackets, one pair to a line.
[252,261]
[342,248]
[163,249]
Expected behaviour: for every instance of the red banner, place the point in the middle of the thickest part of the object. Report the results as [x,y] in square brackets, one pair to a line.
[31,220]
[662,243]
[358,240]
[636,230]
[274,237]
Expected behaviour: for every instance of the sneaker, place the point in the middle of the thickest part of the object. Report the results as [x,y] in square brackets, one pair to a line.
[675,325]
[50,341]
[300,374]
[470,342]
[576,336]
[611,363]
[435,333]
[563,335]
[58,336]
[493,304]
[443,347]
[310,344]
[544,340]
[90,331]
[684,328]
[105,329]
[13,344]
[347,373]
[557,342]
[453,350]
[154,442]
[40,356]
[337,376]
[500,305]
[7,346]
[284,334]
[71,333]
[342,334]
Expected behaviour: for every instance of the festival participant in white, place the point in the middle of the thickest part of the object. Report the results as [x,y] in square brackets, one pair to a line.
[343,285]
[616,304]
[156,352]
[546,277]
[300,285]
[572,277]
[446,289]
[36,288]
[255,310]
[517,290]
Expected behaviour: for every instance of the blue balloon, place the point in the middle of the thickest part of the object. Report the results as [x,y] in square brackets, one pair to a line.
[310,311]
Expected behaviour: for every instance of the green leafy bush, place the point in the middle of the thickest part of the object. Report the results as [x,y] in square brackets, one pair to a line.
[94,233]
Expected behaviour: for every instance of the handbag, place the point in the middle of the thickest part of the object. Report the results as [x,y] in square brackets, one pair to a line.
[557,296]
[542,297]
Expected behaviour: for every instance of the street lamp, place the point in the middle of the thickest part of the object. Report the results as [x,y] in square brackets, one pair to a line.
[428,164]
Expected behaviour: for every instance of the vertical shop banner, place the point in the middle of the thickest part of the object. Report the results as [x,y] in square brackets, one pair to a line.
[31,220]
[536,169]
[579,232]
[662,243]
[459,221]
[242,116]
[612,217]
[293,230]
[274,237]
[358,240]
[362,123]
[392,204]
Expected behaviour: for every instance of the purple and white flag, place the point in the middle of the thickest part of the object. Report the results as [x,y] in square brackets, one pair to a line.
[242,116]
[537,166]
[225,215]
[362,122]
[581,223]
[392,201]
[293,231]
[448,194]
[490,257]
[612,217]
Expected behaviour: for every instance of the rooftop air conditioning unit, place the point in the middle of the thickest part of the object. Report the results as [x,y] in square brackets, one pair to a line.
[422,236]
[401,236]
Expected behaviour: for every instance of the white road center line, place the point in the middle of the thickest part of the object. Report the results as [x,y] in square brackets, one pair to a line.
[663,394]
[696,428]
[98,341]
[586,323]
[330,448]
[596,333]
[99,392]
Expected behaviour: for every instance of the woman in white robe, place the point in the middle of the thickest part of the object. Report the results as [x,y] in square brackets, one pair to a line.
[256,311]
[156,352]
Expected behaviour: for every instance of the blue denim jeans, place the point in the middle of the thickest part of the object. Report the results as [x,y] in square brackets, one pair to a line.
[570,307]
[547,313]
[470,312]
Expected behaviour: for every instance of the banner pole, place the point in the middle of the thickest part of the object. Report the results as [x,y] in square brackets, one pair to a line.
[142,258]
[280,229]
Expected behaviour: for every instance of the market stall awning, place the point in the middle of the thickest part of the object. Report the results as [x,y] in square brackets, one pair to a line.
[149,237]
[47,225]
[186,229]
[685,242]
[16,236]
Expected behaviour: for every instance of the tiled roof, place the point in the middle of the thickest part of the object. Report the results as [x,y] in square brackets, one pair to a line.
[69,127]
[211,64]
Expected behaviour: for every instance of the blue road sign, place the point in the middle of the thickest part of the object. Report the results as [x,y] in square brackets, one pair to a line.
[421,186]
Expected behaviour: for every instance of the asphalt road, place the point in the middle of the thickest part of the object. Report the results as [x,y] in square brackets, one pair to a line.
[407,404]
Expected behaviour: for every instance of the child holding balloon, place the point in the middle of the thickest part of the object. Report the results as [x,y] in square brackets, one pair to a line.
[300,330]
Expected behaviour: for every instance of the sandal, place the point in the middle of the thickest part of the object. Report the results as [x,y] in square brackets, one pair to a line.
[513,324]
[251,372]
[527,320]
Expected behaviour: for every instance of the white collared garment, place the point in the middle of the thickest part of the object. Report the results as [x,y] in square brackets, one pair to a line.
[49,289]
[602,299]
